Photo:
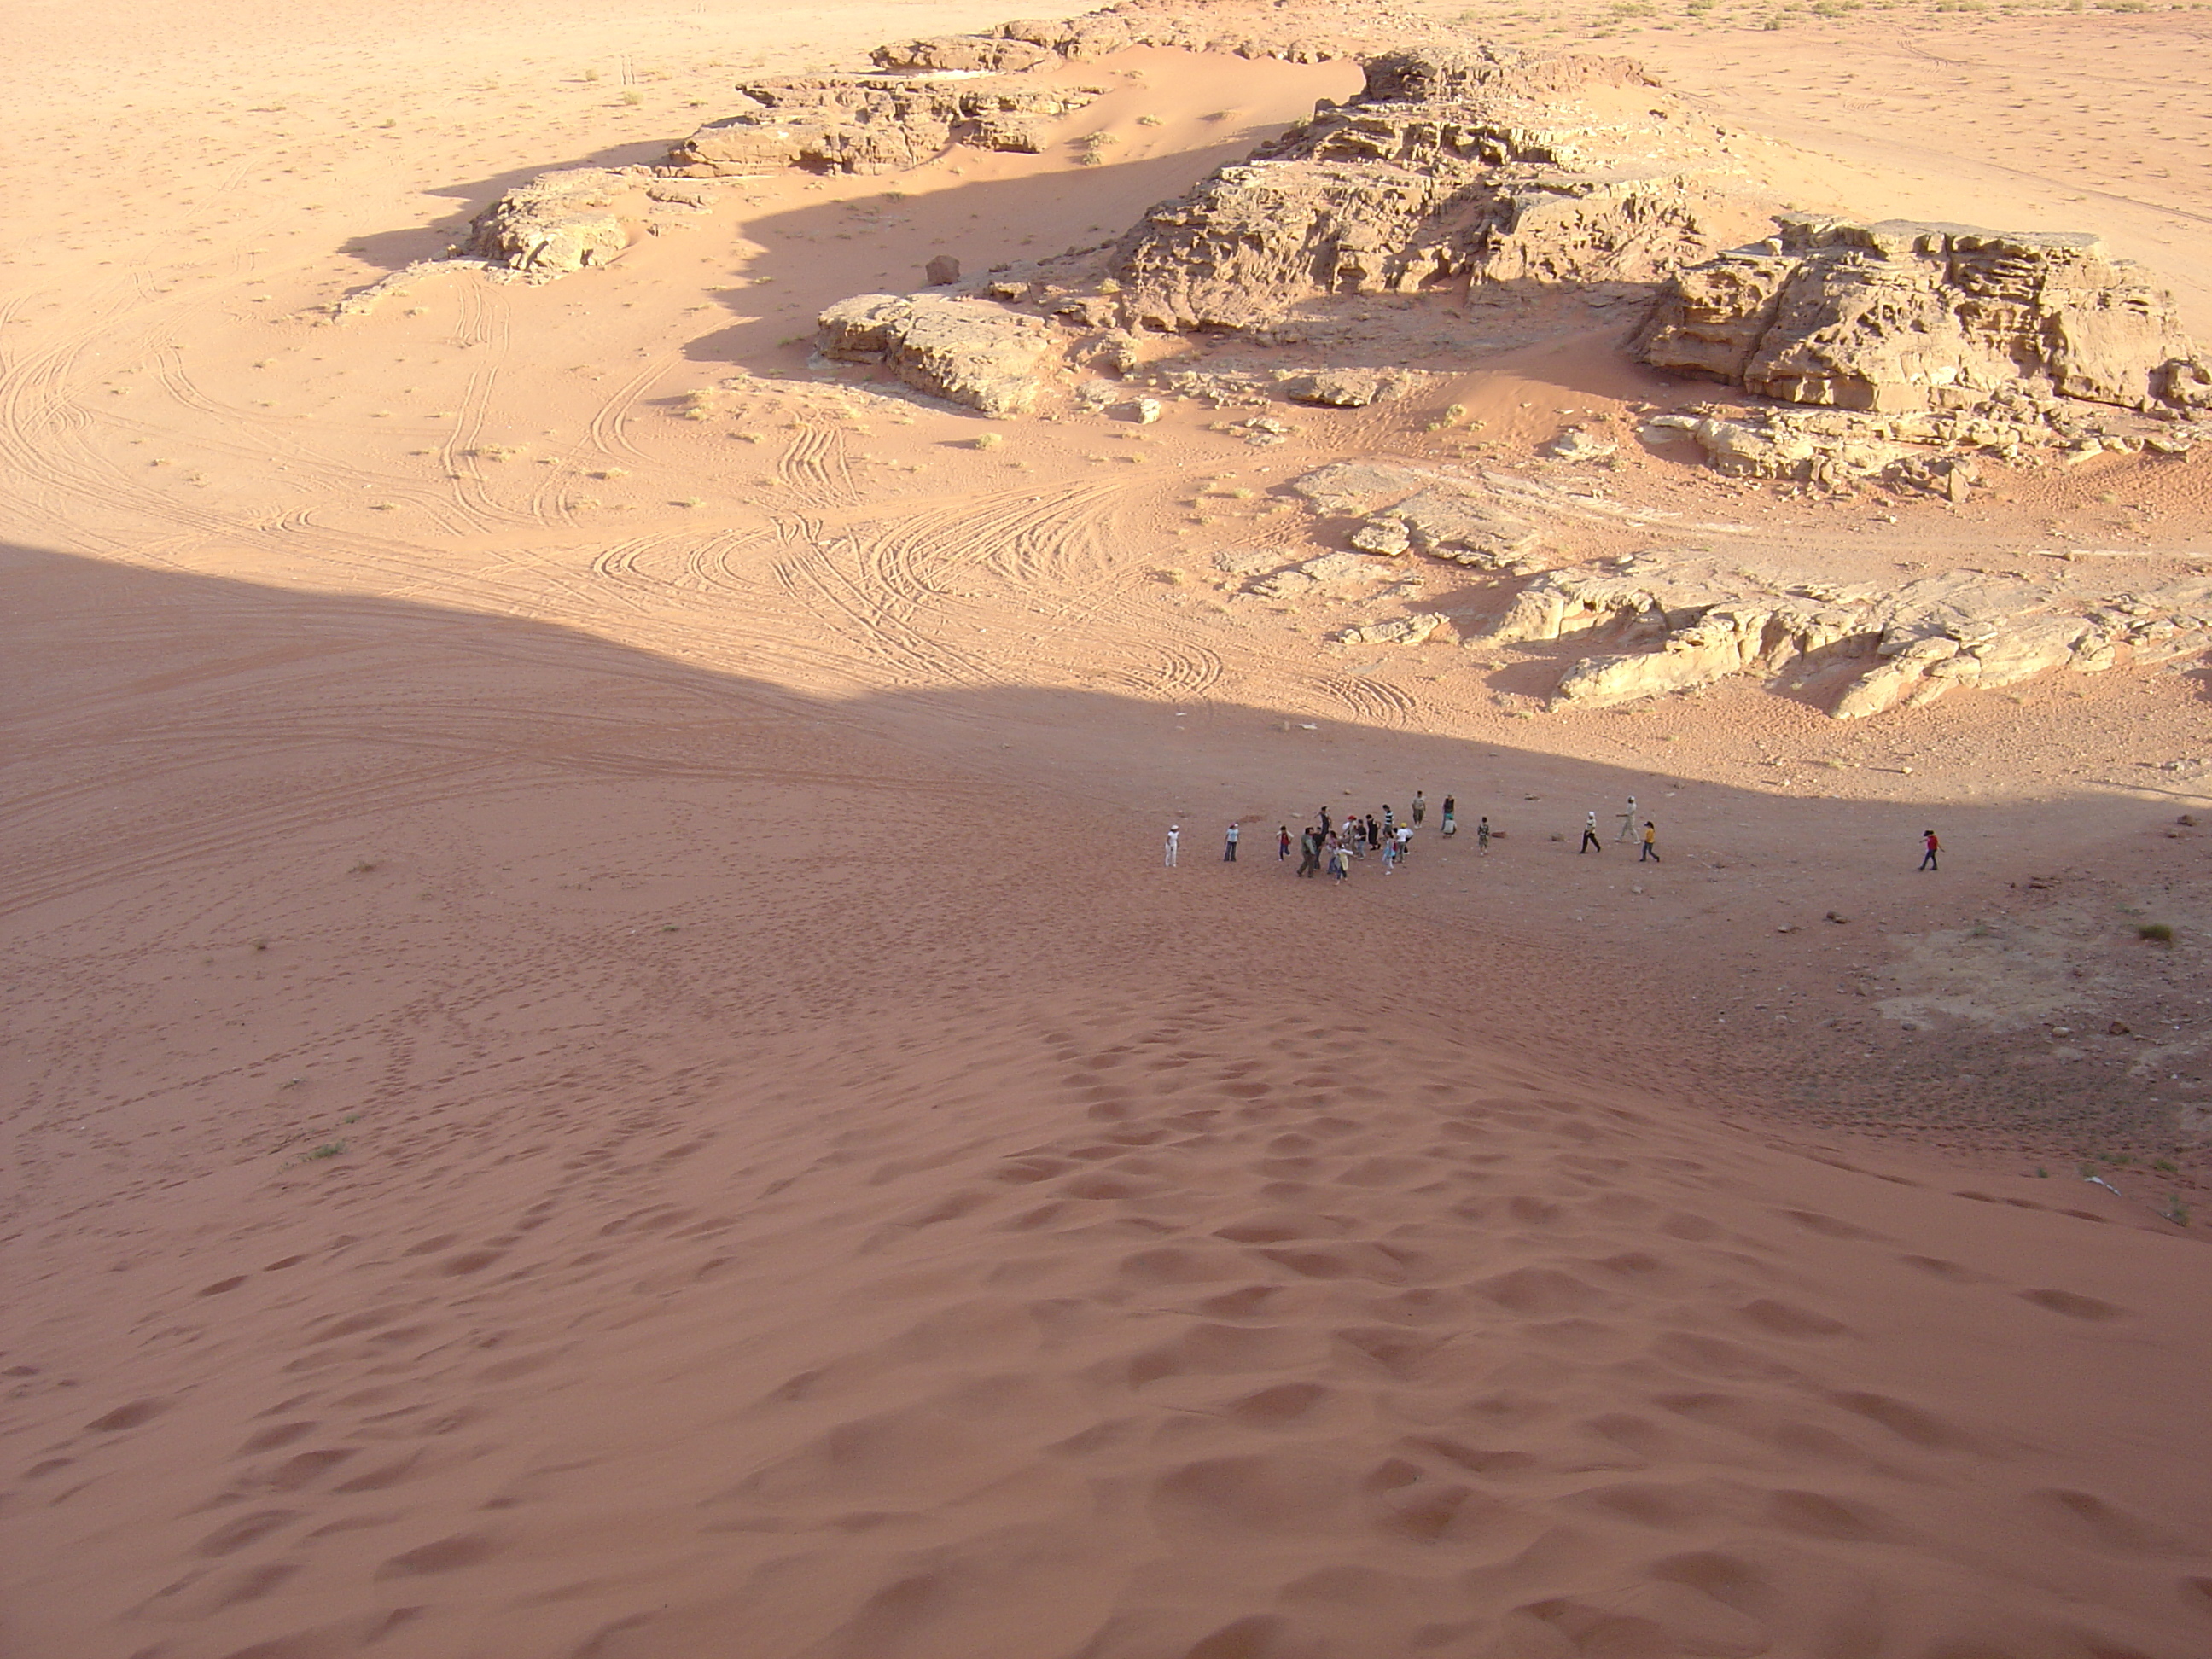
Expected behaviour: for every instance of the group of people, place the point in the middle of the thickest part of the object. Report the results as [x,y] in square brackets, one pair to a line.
[1334,844]
[1649,837]
[1331,844]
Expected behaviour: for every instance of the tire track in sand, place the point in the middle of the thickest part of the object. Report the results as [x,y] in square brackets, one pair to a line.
[856,606]
[610,424]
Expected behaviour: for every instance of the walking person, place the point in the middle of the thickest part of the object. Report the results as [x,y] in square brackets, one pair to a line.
[1404,841]
[1651,843]
[1451,817]
[1420,807]
[1340,862]
[1388,822]
[1930,847]
[1310,844]
[1389,854]
[1229,848]
[1482,835]
[1627,821]
[1174,840]
[1282,843]
[1590,842]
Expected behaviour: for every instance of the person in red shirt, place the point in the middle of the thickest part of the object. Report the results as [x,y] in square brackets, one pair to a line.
[1932,847]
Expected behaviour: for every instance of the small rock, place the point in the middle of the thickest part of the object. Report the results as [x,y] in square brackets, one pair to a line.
[2061,1030]
[2120,1028]
[943,271]
[1146,410]
[1789,929]
[2187,820]
[1838,916]
[1578,444]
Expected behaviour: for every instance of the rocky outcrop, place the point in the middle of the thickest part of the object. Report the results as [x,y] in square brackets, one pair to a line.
[1478,516]
[1902,315]
[966,351]
[555,224]
[964,53]
[1483,166]
[1927,451]
[1699,621]
[1331,574]
[1311,35]
[1346,388]
[1418,629]
[872,122]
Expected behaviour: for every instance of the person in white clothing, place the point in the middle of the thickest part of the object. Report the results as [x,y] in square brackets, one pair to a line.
[1175,840]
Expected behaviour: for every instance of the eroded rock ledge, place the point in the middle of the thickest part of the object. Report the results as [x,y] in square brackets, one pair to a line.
[1698,621]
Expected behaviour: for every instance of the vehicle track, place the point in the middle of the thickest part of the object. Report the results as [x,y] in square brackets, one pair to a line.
[817,468]
[610,424]
[482,320]
[856,606]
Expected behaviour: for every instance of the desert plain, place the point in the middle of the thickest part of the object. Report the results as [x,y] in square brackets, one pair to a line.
[603,1063]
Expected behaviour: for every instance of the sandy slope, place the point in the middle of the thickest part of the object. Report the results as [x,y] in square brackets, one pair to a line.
[604,1065]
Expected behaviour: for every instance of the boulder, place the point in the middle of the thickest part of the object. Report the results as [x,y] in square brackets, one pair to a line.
[1903,315]
[942,270]
[1346,388]
[966,351]
[556,223]
[1578,444]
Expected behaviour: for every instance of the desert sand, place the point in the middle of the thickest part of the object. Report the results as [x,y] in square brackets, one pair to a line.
[602,1061]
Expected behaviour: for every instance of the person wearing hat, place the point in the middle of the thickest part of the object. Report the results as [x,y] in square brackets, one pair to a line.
[1590,842]
[1930,847]
[1174,840]
[1229,848]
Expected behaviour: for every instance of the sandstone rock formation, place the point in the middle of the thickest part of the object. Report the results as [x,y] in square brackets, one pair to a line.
[1902,315]
[967,351]
[1701,621]
[1477,516]
[1479,165]
[1331,574]
[1419,629]
[1346,388]
[865,124]
[1925,450]
[556,223]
